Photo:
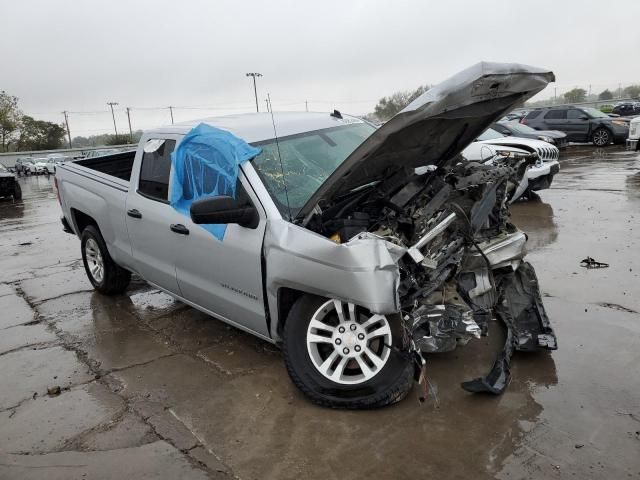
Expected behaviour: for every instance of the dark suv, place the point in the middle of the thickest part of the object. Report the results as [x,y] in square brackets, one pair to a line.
[627,108]
[581,124]
[9,186]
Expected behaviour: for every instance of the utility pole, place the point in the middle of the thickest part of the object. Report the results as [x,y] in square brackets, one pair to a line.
[66,121]
[171,112]
[306,105]
[113,115]
[255,91]
[129,120]
[555,95]
[267,102]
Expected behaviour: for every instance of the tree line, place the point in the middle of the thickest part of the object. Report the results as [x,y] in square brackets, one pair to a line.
[389,106]
[19,132]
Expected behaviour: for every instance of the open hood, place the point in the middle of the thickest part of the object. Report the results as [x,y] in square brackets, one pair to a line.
[436,126]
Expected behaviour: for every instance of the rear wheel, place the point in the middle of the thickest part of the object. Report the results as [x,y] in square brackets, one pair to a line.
[104,274]
[601,137]
[343,356]
[17,191]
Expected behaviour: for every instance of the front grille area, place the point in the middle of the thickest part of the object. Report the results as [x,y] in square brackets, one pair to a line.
[548,153]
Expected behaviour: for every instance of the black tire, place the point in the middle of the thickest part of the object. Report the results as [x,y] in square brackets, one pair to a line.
[115,278]
[601,137]
[390,385]
[17,191]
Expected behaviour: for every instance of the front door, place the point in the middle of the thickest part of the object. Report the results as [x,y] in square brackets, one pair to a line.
[151,221]
[577,125]
[225,276]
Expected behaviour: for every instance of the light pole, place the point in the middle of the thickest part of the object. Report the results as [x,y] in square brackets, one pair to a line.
[113,115]
[171,112]
[255,91]
[66,121]
[129,120]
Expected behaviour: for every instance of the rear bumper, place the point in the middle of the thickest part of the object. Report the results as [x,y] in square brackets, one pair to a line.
[632,144]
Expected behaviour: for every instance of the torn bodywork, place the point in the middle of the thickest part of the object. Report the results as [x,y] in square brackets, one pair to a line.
[460,259]
[422,232]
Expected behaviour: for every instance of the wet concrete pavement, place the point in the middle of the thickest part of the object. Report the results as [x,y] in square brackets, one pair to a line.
[151,388]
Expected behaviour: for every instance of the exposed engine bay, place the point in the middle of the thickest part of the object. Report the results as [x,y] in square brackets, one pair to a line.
[462,264]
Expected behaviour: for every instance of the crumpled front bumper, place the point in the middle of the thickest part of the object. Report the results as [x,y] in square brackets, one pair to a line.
[540,177]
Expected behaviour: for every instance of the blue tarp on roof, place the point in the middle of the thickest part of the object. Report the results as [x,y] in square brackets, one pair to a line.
[205,164]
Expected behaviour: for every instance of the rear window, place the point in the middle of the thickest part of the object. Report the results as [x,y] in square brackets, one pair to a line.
[556,115]
[534,114]
[156,169]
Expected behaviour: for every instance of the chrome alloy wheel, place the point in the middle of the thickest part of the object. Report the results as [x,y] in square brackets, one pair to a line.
[348,347]
[601,138]
[94,260]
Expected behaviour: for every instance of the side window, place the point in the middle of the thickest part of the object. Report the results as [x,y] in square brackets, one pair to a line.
[534,114]
[556,115]
[155,169]
[574,114]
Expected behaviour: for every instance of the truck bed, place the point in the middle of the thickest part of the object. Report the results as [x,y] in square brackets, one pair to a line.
[118,165]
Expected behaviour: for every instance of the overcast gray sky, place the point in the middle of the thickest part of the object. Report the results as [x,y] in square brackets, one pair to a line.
[77,55]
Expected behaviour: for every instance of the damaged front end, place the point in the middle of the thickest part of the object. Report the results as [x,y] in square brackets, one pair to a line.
[423,233]
[461,259]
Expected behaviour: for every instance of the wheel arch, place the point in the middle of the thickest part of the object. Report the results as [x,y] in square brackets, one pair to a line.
[286,298]
[82,220]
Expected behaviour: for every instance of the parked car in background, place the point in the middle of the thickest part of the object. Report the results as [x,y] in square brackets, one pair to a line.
[9,186]
[627,108]
[633,142]
[40,166]
[581,124]
[516,129]
[516,115]
[28,167]
[53,160]
[492,144]
[22,165]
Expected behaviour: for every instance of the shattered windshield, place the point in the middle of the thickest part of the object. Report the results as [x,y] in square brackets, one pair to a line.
[307,161]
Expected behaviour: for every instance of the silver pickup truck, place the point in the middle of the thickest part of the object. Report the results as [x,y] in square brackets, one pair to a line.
[360,251]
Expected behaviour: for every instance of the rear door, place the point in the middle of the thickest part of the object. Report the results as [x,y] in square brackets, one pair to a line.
[153,225]
[556,119]
[225,276]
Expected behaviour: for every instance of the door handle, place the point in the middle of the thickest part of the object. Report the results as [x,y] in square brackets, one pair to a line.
[134,213]
[179,228]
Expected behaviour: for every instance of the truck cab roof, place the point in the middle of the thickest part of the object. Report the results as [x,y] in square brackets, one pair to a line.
[258,127]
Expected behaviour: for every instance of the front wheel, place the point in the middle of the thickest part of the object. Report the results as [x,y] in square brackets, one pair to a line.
[104,274]
[601,137]
[343,356]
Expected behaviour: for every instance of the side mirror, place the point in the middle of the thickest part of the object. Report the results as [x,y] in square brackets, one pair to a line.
[506,133]
[583,117]
[223,209]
